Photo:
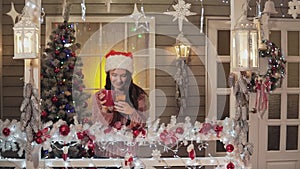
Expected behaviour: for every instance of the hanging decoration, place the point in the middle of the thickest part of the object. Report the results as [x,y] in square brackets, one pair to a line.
[202,17]
[13,13]
[66,10]
[83,10]
[107,3]
[137,16]
[182,10]
[63,139]
[294,8]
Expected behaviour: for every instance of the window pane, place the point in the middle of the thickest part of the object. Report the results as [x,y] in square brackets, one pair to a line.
[293,43]
[273,137]
[222,107]
[293,75]
[223,42]
[113,36]
[292,106]
[223,73]
[274,106]
[292,138]
[275,37]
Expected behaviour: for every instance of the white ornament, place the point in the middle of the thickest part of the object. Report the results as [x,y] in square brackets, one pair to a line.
[182,10]
[107,3]
[294,8]
[83,9]
[137,16]
[13,13]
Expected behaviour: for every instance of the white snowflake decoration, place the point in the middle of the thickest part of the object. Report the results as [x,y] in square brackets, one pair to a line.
[294,8]
[182,10]
[156,154]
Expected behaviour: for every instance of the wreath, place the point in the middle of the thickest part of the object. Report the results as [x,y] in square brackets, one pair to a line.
[276,69]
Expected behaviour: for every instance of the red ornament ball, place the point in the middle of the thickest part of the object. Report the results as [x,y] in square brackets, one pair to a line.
[64,130]
[44,114]
[71,66]
[39,140]
[80,88]
[230,165]
[80,135]
[39,134]
[6,131]
[136,133]
[179,130]
[56,70]
[91,145]
[229,148]
[54,99]
[118,125]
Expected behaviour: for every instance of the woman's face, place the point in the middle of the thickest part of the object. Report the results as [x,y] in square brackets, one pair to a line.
[118,78]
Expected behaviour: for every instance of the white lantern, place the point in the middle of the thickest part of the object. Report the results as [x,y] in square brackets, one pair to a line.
[245,46]
[26,39]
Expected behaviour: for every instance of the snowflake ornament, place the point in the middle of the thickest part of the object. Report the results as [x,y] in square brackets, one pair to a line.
[182,10]
[294,8]
[156,154]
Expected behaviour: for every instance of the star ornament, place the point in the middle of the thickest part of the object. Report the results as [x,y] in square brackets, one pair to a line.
[182,10]
[13,13]
[294,8]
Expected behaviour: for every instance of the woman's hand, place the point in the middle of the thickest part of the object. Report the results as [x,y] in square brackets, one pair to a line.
[123,107]
[102,102]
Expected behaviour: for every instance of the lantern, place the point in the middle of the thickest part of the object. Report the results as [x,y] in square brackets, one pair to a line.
[245,46]
[182,47]
[26,38]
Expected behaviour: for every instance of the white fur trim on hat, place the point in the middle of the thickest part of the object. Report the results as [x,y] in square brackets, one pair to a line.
[119,62]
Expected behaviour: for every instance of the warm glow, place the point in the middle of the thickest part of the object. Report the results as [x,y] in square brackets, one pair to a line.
[182,50]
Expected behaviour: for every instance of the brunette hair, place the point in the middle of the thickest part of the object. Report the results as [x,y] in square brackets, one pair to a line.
[132,91]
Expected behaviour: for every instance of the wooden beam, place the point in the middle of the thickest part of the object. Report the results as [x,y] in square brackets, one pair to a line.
[1,89]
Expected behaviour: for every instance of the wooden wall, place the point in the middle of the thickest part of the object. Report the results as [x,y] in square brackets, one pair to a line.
[12,70]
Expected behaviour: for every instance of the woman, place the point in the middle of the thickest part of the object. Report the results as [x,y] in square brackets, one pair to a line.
[129,110]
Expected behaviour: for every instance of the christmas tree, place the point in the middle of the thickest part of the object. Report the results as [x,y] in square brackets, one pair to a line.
[62,87]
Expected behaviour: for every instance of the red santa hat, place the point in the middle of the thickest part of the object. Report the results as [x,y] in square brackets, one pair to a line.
[119,60]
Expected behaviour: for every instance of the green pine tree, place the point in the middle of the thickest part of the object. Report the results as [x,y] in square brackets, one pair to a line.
[62,87]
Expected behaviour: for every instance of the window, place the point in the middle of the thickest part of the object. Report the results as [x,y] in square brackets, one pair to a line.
[99,35]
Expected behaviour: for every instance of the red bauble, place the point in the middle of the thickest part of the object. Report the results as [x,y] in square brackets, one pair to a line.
[118,125]
[229,148]
[136,133]
[71,66]
[73,54]
[80,135]
[44,114]
[57,52]
[54,99]
[80,88]
[179,130]
[144,132]
[91,145]
[230,165]
[163,136]
[56,70]
[39,134]
[6,131]
[64,130]
[39,140]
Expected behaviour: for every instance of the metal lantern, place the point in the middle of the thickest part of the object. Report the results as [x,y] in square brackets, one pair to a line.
[182,47]
[245,46]
[182,50]
[26,38]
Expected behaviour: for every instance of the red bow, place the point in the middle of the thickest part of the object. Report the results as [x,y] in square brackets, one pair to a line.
[112,52]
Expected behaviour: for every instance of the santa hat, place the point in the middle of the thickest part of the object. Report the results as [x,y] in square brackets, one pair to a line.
[119,60]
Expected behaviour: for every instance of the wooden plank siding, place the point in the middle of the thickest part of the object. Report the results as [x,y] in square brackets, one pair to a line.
[1,62]
[165,38]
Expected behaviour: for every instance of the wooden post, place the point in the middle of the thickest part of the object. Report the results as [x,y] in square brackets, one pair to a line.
[34,66]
